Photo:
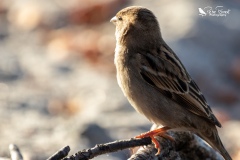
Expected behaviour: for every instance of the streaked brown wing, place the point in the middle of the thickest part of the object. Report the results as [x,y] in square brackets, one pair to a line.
[168,75]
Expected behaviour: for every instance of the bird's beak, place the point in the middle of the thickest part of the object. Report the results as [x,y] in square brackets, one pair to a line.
[114,20]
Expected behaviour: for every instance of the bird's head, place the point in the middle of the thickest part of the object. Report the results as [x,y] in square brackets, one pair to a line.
[135,22]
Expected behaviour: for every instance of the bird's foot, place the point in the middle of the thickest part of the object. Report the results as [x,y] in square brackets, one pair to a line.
[156,132]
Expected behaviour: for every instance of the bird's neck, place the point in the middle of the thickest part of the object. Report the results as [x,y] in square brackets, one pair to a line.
[139,40]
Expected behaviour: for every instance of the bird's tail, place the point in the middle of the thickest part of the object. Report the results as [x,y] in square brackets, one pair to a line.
[212,138]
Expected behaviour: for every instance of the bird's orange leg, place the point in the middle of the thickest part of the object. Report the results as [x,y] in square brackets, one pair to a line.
[156,132]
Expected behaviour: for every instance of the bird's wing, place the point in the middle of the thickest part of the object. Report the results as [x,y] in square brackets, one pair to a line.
[168,75]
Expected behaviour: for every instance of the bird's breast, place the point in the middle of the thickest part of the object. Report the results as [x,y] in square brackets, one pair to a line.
[128,79]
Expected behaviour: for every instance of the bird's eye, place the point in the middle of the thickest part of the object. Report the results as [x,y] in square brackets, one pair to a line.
[119,18]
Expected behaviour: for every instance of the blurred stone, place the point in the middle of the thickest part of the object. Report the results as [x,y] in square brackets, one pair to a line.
[55,107]
[3,22]
[66,107]
[10,68]
[63,68]
[25,16]
[58,45]
[96,134]
[4,5]
[96,47]
[85,43]
[94,11]
[235,69]
[225,95]
[73,106]
[90,44]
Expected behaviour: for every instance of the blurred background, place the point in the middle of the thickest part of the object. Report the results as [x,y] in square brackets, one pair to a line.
[57,78]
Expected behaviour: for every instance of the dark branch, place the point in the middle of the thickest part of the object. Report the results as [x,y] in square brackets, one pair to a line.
[60,154]
[108,147]
[186,146]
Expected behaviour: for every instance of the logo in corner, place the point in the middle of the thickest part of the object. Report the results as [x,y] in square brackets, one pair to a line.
[201,12]
[216,12]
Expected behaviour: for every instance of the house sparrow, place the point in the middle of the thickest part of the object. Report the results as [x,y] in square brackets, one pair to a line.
[155,81]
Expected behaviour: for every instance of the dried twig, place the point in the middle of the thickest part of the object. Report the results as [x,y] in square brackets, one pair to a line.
[60,154]
[186,146]
[108,147]
[15,152]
